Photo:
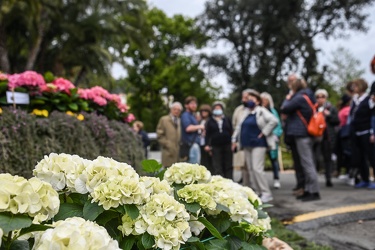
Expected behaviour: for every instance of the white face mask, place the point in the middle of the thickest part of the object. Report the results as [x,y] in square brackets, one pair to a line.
[217,112]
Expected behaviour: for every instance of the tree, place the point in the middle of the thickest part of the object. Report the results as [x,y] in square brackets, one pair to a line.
[167,72]
[69,38]
[270,38]
[343,67]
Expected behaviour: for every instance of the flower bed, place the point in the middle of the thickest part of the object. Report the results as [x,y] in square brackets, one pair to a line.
[49,93]
[105,204]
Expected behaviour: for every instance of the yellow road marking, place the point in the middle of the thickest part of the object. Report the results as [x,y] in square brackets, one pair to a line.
[328,212]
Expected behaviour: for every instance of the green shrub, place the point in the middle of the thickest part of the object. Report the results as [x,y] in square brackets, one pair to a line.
[25,139]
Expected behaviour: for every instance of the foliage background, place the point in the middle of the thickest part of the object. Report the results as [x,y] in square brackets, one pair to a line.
[25,139]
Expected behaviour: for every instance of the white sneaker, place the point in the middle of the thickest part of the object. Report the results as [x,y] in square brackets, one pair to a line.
[350,182]
[343,177]
[265,197]
[276,184]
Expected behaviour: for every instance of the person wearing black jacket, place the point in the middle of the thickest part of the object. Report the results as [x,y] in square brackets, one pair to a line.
[218,141]
[361,132]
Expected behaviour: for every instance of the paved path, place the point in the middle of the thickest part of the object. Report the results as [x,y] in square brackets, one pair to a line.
[344,218]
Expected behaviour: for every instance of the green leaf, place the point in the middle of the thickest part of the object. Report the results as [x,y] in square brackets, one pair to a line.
[193,239]
[112,230]
[127,243]
[92,210]
[234,243]
[192,207]
[20,245]
[151,166]
[37,102]
[210,227]
[222,208]
[239,232]
[106,216]
[248,246]
[61,107]
[68,210]
[199,245]
[160,175]
[49,77]
[34,228]
[73,106]
[262,214]
[217,245]
[120,209]
[221,222]
[10,222]
[147,240]
[132,211]
[265,206]
[78,198]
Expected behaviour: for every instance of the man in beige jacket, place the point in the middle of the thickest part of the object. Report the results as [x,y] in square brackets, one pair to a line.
[168,133]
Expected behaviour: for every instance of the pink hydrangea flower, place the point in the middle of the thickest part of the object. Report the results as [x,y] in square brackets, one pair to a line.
[63,85]
[3,76]
[100,100]
[26,79]
[129,118]
[123,107]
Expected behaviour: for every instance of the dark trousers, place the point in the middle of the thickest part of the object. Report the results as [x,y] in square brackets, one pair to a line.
[300,176]
[363,151]
[206,159]
[322,156]
[275,166]
[344,153]
[222,160]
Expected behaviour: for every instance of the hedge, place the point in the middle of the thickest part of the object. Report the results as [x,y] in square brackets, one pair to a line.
[26,138]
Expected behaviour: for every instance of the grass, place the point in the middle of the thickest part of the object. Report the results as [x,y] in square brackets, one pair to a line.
[294,240]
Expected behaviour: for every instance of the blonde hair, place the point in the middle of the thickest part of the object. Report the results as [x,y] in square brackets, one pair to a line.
[267,96]
[138,124]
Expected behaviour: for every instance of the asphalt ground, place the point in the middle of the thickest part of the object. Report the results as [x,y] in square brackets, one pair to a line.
[344,218]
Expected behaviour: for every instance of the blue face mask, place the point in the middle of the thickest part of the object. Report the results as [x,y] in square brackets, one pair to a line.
[250,104]
[217,112]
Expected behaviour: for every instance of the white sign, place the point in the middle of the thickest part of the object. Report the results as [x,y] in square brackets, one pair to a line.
[17,98]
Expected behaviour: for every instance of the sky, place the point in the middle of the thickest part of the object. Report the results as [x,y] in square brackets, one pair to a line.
[361,45]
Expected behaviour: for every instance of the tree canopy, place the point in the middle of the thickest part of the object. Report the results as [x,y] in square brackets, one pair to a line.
[269,39]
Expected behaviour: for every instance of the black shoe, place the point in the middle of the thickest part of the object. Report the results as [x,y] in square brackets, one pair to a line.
[311,197]
[329,184]
[304,195]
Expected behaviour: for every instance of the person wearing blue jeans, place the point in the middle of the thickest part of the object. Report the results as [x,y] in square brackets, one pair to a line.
[190,129]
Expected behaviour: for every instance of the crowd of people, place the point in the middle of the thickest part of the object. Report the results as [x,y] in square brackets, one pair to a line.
[344,149]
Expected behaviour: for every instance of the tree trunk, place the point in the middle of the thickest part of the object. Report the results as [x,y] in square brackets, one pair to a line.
[81,76]
[36,48]
[4,59]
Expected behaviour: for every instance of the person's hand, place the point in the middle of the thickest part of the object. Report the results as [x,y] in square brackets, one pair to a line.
[326,112]
[372,138]
[373,98]
[207,148]
[234,146]
[260,135]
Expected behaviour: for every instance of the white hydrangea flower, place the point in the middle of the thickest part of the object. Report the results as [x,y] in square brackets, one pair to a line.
[33,197]
[156,186]
[200,193]
[196,227]
[119,190]
[101,170]
[60,170]
[75,233]
[1,235]
[162,217]
[265,224]
[187,173]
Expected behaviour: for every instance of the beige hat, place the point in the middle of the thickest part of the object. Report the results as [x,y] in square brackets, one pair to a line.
[254,93]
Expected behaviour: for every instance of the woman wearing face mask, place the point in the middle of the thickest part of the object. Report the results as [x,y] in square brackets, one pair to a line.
[254,134]
[218,141]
